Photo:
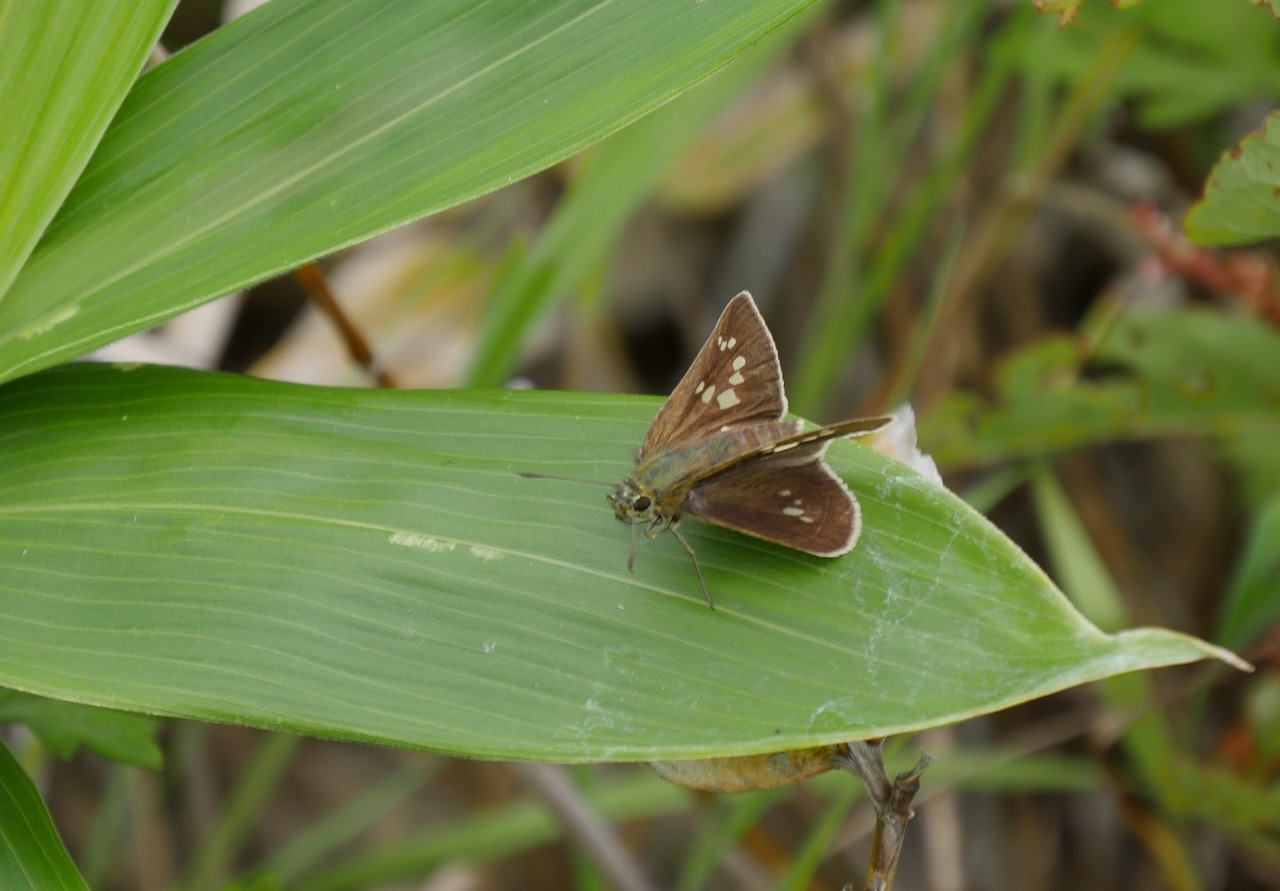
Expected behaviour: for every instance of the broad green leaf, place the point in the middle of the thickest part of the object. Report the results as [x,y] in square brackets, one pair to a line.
[369,565]
[1190,372]
[31,854]
[309,125]
[65,66]
[1241,202]
[65,726]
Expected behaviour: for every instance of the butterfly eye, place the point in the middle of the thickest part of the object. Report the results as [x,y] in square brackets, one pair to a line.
[642,503]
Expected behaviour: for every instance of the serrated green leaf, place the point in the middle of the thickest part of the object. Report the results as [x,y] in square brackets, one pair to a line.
[369,565]
[1241,201]
[309,125]
[31,853]
[65,66]
[1190,372]
[65,726]
[1273,5]
[1194,60]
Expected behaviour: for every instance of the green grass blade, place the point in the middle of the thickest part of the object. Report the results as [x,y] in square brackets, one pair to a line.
[308,848]
[617,179]
[240,812]
[1252,605]
[309,125]
[494,834]
[31,853]
[369,565]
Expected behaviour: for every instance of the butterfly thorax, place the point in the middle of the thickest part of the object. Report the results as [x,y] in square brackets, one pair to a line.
[657,488]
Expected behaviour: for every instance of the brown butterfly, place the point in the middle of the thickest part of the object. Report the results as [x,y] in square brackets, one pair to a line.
[720,450]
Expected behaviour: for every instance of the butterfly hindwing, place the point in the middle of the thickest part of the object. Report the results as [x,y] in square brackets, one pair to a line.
[735,379]
[800,505]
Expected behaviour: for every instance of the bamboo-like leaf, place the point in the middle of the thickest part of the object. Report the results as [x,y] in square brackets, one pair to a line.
[312,124]
[65,66]
[32,857]
[369,565]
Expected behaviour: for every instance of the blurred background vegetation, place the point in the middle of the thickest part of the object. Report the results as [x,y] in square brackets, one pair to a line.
[955,203]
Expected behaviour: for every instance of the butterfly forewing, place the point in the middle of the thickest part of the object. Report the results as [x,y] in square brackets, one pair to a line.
[805,506]
[787,448]
[734,380]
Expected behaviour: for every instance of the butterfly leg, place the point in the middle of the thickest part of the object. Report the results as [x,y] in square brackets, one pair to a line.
[631,557]
[694,557]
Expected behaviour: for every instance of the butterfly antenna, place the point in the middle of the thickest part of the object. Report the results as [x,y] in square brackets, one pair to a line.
[528,474]
[698,569]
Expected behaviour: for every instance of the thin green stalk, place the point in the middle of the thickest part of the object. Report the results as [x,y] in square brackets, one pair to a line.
[326,835]
[900,247]
[909,369]
[862,193]
[494,835]
[993,488]
[839,322]
[587,875]
[1147,740]
[815,847]
[110,820]
[240,812]
[719,829]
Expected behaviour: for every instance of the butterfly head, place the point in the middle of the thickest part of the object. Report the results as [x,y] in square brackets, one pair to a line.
[632,505]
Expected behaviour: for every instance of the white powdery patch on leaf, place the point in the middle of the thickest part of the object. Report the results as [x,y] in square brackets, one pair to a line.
[421,542]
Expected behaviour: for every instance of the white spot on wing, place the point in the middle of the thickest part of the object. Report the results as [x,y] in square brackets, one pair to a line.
[793,511]
[739,363]
[708,393]
[733,342]
[736,378]
[785,493]
[728,399]
[702,385]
